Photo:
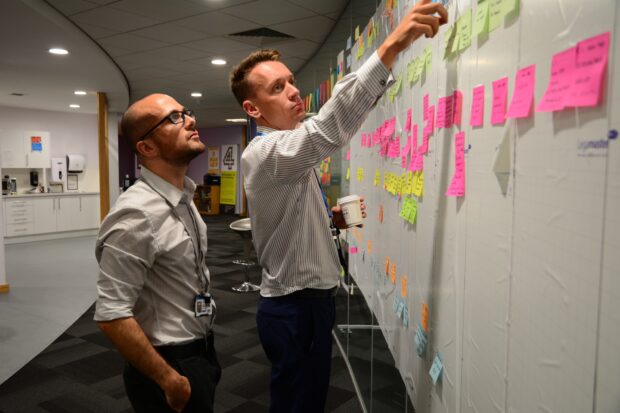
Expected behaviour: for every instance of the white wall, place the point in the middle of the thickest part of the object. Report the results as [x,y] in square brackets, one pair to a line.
[69,132]
[113,119]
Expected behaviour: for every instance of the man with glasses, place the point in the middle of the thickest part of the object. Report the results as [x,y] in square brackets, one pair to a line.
[290,223]
[153,290]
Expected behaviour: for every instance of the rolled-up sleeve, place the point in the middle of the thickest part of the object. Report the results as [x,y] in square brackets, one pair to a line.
[126,249]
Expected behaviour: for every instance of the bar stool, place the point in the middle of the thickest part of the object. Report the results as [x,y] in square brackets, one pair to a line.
[244,229]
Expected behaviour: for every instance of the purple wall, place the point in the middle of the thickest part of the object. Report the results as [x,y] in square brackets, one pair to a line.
[225,135]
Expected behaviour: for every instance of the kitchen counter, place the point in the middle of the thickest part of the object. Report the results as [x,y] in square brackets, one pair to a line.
[47,194]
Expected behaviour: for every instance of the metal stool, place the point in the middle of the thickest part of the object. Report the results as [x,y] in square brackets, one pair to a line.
[244,229]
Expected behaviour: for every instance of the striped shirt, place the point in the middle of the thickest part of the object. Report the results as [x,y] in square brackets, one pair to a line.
[152,250]
[290,225]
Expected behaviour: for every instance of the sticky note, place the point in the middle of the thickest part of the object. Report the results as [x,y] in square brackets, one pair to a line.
[352,250]
[448,39]
[496,15]
[348,155]
[592,56]
[419,68]
[381,214]
[481,21]
[357,33]
[409,210]
[349,42]
[500,93]
[523,95]
[377,179]
[359,236]
[458,107]
[405,315]
[395,89]
[561,81]
[369,246]
[509,6]
[360,48]
[411,71]
[400,308]
[387,266]
[393,273]
[431,120]
[420,341]
[457,185]
[428,59]
[403,286]
[456,42]
[390,126]
[436,368]
[424,316]
[394,148]
[464,28]
[418,185]
[477,106]
[348,175]
[408,121]
[445,112]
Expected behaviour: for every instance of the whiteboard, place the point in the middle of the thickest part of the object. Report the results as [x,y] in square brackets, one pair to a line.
[521,275]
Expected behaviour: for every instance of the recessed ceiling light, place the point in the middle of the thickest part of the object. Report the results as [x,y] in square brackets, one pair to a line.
[58,50]
[218,62]
[196,94]
[79,93]
[74,106]
[238,120]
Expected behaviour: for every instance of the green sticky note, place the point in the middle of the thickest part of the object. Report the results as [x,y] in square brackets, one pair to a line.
[456,41]
[448,38]
[464,26]
[360,49]
[419,68]
[428,58]
[496,15]
[410,71]
[395,89]
[481,21]
[509,6]
[357,33]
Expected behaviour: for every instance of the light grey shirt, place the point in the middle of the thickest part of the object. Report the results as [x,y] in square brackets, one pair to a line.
[290,224]
[152,249]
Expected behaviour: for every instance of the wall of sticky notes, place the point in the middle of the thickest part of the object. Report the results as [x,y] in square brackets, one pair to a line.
[491,173]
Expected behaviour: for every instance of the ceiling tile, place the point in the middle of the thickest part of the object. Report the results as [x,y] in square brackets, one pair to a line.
[113,19]
[117,51]
[313,28]
[216,23]
[322,6]
[102,2]
[96,32]
[178,53]
[219,4]
[269,12]
[219,45]
[297,48]
[170,33]
[131,42]
[69,7]
[137,60]
[163,10]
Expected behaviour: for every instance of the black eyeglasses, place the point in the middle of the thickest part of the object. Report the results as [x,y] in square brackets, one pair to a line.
[178,116]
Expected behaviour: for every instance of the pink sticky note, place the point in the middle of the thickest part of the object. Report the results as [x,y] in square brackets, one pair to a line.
[348,156]
[376,138]
[457,185]
[458,107]
[592,57]
[404,152]
[408,122]
[425,106]
[431,119]
[394,148]
[477,106]
[363,140]
[417,163]
[352,250]
[445,113]
[561,80]
[414,140]
[500,92]
[523,95]
[390,126]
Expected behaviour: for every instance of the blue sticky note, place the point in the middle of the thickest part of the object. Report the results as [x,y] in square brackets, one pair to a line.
[405,316]
[420,341]
[436,368]
[37,147]
[395,305]
[399,310]
[349,43]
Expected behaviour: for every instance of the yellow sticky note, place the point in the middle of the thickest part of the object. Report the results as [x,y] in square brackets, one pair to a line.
[481,21]
[496,15]
[377,180]
[464,27]
[360,49]
[411,71]
[348,175]
[508,6]
[418,184]
[357,33]
[360,174]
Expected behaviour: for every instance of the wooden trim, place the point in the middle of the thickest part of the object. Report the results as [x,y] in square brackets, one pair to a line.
[104,162]
[4,288]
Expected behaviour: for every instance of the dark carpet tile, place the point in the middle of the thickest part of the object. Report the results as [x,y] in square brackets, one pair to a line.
[95,368]
[249,407]
[239,320]
[63,337]
[99,339]
[337,397]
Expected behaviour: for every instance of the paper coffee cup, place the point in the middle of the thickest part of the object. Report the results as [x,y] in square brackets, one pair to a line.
[351,209]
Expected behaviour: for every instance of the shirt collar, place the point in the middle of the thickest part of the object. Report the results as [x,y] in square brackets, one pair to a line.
[264,130]
[169,192]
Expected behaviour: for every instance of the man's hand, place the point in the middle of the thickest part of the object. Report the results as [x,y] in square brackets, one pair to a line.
[421,20]
[338,218]
[177,390]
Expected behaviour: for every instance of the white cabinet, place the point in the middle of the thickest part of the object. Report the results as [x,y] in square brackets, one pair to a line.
[49,214]
[25,149]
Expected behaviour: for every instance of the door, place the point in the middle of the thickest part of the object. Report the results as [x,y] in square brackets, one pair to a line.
[68,216]
[44,211]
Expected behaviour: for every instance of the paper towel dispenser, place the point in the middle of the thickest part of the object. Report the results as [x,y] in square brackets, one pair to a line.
[75,163]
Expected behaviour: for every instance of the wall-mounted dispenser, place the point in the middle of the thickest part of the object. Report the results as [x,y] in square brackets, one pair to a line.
[75,163]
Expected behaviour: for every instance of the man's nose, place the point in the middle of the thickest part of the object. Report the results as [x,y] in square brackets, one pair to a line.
[190,122]
[293,93]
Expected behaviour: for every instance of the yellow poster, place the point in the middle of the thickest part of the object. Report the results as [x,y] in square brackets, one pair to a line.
[228,188]
[214,160]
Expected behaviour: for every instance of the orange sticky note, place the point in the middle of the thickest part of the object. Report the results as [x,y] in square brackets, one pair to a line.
[403,286]
[387,266]
[381,214]
[424,317]
[359,236]
[369,246]
[393,277]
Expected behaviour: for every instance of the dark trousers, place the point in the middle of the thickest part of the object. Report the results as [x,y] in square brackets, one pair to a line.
[198,363]
[296,336]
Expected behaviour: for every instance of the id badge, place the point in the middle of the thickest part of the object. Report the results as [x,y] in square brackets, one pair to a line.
[202,305]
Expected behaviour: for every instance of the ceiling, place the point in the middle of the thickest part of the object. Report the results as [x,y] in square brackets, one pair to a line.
[157,46]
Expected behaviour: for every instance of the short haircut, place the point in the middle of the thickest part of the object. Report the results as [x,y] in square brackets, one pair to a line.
[239,75]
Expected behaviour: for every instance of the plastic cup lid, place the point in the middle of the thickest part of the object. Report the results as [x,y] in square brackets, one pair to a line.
[349,198]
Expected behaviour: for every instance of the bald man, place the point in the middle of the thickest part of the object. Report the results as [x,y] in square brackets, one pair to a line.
[153,299]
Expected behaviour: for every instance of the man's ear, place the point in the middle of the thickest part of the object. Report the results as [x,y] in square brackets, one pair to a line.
[251,109]
[147,149]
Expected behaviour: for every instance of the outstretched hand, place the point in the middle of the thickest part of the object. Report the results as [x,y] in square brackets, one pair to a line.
[423,19]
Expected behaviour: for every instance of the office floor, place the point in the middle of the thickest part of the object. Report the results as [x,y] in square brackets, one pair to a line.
[81,372]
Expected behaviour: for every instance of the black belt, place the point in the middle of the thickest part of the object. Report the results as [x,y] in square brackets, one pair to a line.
[191,349]
[312,293]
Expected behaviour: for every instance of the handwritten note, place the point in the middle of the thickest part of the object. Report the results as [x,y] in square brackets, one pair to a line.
[592,55]
[360,174]
[411,71]
[409,210]
[420,341]
[408,121]
[418,183]
[396,88]
[464,28]
[523,95]
[561,80]
[500,93]
[428,58]
[457,185]
[436,368]
[481,21]
[496,14]
[377,179]
[445,114]
[477,106]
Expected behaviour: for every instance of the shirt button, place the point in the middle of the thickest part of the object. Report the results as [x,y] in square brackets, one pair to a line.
[382,82]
